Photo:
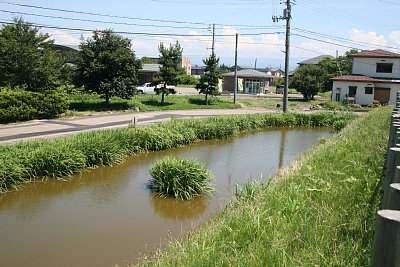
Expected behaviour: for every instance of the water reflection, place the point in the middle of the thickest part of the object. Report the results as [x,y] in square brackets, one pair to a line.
[176,209]
[106,215]
[282,149]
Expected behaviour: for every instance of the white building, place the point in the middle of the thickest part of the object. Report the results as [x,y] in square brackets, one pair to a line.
[375,76]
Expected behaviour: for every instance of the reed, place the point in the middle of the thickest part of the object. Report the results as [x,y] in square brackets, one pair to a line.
[56,158]
[180,178]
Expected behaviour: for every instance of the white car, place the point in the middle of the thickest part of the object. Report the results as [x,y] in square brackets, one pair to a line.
[146,88]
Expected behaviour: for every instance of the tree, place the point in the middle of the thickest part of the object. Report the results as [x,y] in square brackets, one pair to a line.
[308,80]
[169,71]
[187,79]
[208,84]
[146,60]
[107,65]
[27,60]
[225,69]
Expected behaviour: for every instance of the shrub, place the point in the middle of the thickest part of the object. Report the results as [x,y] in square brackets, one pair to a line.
[333,105]
[180,178]
[340,124]
[52,104]
[187,79]
[24,105]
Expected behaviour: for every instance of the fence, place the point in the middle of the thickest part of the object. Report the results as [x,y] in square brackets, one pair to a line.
[386,246]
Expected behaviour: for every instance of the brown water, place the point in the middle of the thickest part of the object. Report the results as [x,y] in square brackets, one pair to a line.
[107,216]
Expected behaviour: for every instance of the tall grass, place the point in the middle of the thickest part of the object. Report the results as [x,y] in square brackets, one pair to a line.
[64,156]
[180,178]
[320,211]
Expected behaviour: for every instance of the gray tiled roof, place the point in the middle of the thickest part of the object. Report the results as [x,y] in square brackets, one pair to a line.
[150,68]
[249,73]
[314,60]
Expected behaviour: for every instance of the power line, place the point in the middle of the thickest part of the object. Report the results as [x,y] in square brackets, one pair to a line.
[100,21]
[388,2]
[340,39]
[120,17]
[210,3]
[349,16]
[140,33]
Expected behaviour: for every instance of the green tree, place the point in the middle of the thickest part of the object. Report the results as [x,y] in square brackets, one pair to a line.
[225,69]
[333,67]
[308,80]
[278,81]
[208,84]
[146,60]
[107,65]
[170,59]
[187,79]
[27,60]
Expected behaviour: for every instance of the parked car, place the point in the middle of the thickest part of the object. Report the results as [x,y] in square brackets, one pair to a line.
[147,88]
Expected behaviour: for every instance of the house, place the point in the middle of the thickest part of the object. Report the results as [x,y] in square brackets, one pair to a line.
[69,52]
[148,72]
[277,73]
[375,76]
[197,71]
[310,61]
[249,81]
[186,63]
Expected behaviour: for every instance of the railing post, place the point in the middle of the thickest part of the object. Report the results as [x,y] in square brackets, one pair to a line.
[386,247]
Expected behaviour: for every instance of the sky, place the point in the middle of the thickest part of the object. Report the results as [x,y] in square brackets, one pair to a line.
[317,27]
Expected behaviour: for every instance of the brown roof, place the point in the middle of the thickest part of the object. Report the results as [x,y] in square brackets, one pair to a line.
[360,78]
[376,53]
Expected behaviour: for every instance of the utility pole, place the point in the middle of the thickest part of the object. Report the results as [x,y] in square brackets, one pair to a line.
[213,40]
[236,82]
[286,16]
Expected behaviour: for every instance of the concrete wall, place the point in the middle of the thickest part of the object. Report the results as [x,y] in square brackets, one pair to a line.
[367,67]
[186,63]
[360,98]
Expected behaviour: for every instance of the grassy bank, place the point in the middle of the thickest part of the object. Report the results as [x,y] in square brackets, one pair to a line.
[92,102]
[61,157]
[318,212]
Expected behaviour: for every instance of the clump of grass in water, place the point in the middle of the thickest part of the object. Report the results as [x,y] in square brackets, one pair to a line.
[180,178]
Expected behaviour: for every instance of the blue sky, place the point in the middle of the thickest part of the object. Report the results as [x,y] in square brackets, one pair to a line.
[318,27]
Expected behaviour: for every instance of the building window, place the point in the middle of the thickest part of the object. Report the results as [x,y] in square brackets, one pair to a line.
[384,67]
[338,91]
[254,86]
[369,90]
[352,91]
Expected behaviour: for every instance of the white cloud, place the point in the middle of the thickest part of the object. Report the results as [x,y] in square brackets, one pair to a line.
[65,38]
[394,38]
[369,40]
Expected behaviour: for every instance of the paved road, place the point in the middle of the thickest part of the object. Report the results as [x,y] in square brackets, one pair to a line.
[53,128]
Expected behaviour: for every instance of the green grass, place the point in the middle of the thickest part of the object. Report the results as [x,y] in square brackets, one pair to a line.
[264,102]
[320,211]
[186,85]
[180,178]
[327,94]
[25,161]
[89,102]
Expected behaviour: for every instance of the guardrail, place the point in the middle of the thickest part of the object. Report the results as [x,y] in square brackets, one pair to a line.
[386,246]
